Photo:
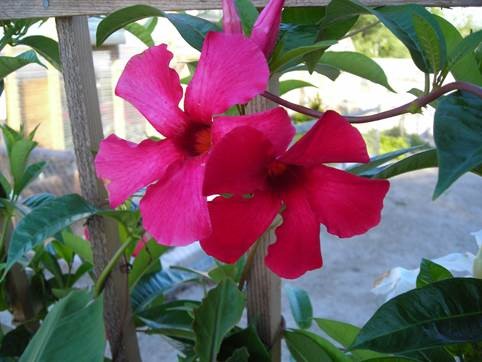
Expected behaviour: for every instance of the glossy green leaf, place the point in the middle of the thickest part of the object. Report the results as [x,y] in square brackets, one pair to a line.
[465,69]
[429,43]
[80,246]
[357,64]
[300,306]
[44,221]
[247,13]
[418,161]
[296,54]
[30,174]
[240,355]
[154,286]
[345,334]
[378,160]
[245,338]
[72,331]
[443,313]
[466,46]
[147,257]
[431,272]
[288,85]
[400,21]
[218,313]
[458,136]
[328,71]
[303,15]
[11,64]
[308,347]
[46,47]
[192,28]
[120,18]
[19,155]
[141,33]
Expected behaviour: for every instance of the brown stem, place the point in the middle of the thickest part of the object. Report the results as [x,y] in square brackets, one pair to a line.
[406,108]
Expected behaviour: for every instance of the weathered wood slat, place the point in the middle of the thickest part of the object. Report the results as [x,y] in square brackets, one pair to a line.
[86,124]
[264,287]
[16,9]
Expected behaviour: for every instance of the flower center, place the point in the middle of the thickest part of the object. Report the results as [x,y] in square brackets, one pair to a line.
[282,175]
[197,139]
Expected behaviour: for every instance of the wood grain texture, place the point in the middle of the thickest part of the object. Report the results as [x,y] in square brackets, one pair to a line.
[83,106]
[264,287]
[15,9]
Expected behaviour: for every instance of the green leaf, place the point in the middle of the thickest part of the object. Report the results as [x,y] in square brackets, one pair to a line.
[365,168]
[308,347]
[294,54]
[328,71]
[4,186]
[11,64]
[245,338]
[19,155]
[288,85]
[247,13]
[466,46]
[147,257]
[345,334]
[30,174]
[431,272]
[466,69]
[400,21]
[154,286]
[300,306]
[72,331]
[120,18]
[80,246]
[458,136]
[218,313]
[303,15]
[357,64]
[46,47]
[192,29]
[240,355]
[140,33]
[44,221]
[429,43]
[443,313]
[418,161]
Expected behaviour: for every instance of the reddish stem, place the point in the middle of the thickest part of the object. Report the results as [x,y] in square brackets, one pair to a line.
[406,108]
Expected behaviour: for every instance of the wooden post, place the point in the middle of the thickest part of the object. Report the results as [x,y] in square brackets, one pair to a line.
[264,287]
[85,119]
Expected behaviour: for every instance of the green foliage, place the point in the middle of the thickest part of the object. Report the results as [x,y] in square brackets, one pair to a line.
[458,136]
[218,313]
[247,13]
[300,306]
[44,221]
[11,64]
[288,85]
[431,272]
[146,261]
[46,47]
[442,313]
[73,330]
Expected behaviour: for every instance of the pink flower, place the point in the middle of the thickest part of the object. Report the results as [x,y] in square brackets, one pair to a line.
[265,29]
[231,71]
[297,183]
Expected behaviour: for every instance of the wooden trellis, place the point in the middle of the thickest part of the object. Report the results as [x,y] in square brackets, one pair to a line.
[83,106]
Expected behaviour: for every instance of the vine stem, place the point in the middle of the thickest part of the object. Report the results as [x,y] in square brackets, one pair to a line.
[409,107]
[99,284]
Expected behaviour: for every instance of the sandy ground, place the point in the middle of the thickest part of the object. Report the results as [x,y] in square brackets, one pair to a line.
[413,226]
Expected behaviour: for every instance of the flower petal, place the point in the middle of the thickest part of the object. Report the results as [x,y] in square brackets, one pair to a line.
[346,204]
[297,246]
[266,28]
[231,20]
[237,223]
[127,167]
[231,70]
[154,89]
[173,210]
[238,163]
[275,124]
[332,139]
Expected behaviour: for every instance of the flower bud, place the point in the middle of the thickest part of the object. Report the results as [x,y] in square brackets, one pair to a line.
[231,20]
[266,28]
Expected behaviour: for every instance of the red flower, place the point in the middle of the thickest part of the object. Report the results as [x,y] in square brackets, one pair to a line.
[231,71]
[265,29]
[295,182]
